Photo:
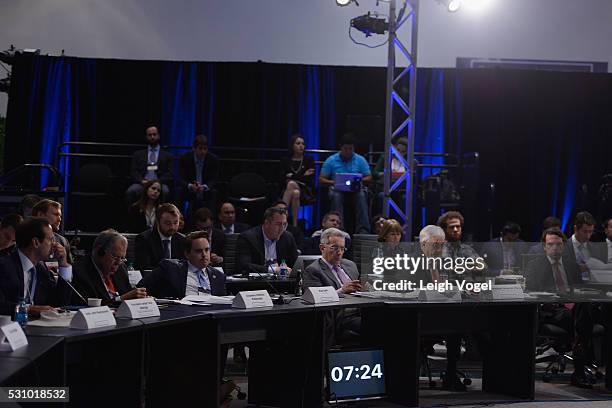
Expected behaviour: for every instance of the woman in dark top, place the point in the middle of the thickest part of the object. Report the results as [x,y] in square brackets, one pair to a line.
[297,177]
[141,215]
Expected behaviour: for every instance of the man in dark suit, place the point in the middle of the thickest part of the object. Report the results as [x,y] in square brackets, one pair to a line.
[203,221]
[174,279]
[227,220]
[263,248]
[555,271]
[605,248]
[199,170]
[24,275]
[103,275]
[52,211]
[163,241]
[151,163]
[579,247]
[504,252]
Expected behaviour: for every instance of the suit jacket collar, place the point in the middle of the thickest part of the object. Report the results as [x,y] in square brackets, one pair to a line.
[97,279]
[329,273]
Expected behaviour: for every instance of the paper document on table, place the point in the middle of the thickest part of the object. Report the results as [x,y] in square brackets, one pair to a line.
[380,294]
[214,300]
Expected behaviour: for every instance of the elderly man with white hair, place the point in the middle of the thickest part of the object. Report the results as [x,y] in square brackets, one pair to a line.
[332,269]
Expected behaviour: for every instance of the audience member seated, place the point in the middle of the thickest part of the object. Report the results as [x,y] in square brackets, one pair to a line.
[199,170]
[227,220]
[581,250]
[297,177]
[377,223]
[202,220]
[549,222]
[605,254]
[504,252]
[347,161]
[141,215]
[342,274]
[52,211]
[8,226]
[431,244]
[296,231]
[452,224]
[263,248]
[103,275]
[163,241]
[24,275]
[27,203]
[332,219]
[555,271]
[193,276]
[152,163]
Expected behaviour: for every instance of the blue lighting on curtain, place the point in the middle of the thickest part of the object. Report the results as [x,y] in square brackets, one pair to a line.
[309,123]
[430,117]
[179,104]
[57,116]
[571,182]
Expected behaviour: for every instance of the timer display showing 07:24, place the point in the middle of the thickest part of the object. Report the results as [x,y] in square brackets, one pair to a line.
[365,372]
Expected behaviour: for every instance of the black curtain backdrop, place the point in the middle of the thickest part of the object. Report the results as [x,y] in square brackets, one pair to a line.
[542,136]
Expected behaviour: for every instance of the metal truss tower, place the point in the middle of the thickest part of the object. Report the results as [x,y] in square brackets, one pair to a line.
[400,110]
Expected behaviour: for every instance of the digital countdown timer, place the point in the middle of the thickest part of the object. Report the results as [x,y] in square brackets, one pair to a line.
[356,374]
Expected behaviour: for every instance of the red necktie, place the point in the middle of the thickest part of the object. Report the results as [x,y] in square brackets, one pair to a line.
[561,287]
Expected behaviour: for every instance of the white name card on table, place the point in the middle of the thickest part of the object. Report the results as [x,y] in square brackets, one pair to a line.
[134,277]
[138,308]
[93,318]
[507,292]
[318,295]
[250,299]
[439,297]
[14,335]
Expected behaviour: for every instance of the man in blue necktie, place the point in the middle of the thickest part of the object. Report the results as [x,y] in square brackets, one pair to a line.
[152,163]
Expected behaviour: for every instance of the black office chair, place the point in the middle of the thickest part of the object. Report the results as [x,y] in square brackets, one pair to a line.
[249,191]
[557,339]
[91,196]
[230,254]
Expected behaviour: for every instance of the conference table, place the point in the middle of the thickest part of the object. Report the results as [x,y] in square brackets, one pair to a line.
[177,358]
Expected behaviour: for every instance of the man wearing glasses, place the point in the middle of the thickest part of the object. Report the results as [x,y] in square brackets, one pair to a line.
[103,275]
[332,269]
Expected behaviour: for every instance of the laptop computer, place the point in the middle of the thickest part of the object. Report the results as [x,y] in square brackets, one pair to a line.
[348,182]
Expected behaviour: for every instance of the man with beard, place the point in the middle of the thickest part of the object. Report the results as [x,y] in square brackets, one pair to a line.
[151,163]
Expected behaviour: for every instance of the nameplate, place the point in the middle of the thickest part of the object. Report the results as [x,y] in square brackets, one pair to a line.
[134,277]
[505,292]
[93,318]
[138,308]
[318,295]
[439,297]
[152,167]
[250,299]
[14,335]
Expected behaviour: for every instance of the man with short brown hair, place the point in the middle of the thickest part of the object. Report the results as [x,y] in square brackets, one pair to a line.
[163,241]
[52,211]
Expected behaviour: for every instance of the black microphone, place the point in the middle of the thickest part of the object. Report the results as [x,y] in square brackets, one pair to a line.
[75,291]
[281,299]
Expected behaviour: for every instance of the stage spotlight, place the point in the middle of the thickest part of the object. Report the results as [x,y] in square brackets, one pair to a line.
[454,5]
[8,56]
[343,3]
[451,5]
[369,24]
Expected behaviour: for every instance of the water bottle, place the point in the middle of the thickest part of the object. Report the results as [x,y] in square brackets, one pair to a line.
[130,266]
[298,289]
[21,312]
[283,269]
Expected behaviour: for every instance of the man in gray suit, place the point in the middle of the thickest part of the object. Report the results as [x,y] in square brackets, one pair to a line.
[332,269]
